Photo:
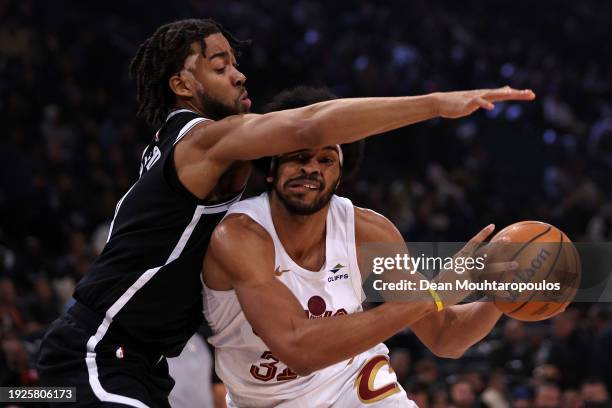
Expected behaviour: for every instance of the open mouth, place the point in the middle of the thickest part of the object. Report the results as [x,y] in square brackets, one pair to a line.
[304,185]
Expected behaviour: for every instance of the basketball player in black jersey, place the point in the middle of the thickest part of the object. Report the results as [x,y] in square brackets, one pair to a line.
[141,299]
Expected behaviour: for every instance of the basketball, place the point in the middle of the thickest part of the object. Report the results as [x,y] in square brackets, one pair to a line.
[549,268]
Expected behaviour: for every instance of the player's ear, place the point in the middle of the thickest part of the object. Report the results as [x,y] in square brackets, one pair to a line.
[180,85]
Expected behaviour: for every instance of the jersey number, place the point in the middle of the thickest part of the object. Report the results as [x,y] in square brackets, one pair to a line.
[267,371]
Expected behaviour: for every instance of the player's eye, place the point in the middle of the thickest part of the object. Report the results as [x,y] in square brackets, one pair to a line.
[220,70]
[299,157]
[326,160]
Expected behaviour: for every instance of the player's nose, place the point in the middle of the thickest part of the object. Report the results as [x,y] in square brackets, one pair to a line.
[311,167]
[239,79]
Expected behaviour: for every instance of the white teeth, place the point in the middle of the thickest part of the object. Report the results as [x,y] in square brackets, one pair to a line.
[309,186]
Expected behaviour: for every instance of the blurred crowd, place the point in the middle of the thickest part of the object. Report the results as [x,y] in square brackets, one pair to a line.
[71,144]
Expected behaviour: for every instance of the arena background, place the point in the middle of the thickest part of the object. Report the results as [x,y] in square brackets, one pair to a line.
[70,147]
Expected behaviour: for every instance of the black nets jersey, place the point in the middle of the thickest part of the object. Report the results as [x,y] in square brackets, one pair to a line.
[146,282]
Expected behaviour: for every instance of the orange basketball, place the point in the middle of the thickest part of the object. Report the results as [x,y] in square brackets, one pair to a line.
[549,271]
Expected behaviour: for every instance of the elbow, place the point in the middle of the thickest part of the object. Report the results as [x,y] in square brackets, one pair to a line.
[447,351]
[295,356]
[301,368]
[299,363]
[444,347]
[452,354]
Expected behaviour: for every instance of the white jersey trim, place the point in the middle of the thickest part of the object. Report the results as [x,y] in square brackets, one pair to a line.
[351,236]
[185,129]
[176,112]
[110,230]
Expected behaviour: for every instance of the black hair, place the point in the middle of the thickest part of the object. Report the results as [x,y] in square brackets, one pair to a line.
[303,96]
[162,55]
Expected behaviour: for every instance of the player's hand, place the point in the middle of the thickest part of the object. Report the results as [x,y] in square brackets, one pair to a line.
[462,103]
[475,248]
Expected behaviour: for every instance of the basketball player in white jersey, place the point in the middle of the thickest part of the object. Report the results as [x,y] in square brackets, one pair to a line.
[280,261]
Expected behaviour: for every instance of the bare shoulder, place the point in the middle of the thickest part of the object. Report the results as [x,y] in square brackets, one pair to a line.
[371,226]
[240,250]
[239,230]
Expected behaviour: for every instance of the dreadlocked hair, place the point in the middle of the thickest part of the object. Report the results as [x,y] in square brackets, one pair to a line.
[162,55]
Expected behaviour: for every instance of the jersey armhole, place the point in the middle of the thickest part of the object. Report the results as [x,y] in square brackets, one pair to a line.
[357,279]
[171,177]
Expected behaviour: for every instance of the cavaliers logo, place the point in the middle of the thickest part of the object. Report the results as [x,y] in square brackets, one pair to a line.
[364,383]
[317,308]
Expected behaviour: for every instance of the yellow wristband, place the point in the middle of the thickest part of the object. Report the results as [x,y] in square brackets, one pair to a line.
[437,300]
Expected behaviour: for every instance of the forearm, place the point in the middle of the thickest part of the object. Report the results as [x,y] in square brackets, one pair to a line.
[322,342]
[326,123]
[462,326]
[348,120]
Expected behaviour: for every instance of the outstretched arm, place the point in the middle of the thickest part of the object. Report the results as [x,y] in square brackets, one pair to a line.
[343,121]
[241,256]
[208,149]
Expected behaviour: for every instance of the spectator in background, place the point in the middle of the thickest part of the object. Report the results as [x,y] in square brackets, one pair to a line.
[545,373]
[594,394]
[401,362]
[42,304]
[426,371]
[11,318]
[462,395]
[601,318]
[15,367]
[419,392]
[571,399]
[521,397]
[475,378]
[547,395]
[515,352]
[568,349]
[494,396]
[439,396]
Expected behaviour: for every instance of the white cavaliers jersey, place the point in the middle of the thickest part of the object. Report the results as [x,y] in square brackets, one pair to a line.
[253,376]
